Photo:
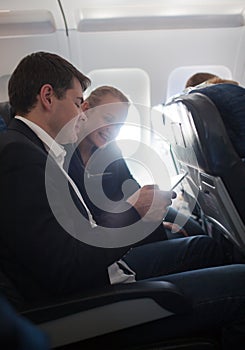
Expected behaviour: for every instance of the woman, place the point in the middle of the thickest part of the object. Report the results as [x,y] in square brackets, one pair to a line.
[98,167]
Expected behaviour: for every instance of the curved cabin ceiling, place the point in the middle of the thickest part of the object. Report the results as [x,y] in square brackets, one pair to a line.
[31,17]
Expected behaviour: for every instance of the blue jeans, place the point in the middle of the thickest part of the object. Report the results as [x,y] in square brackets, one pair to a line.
[217,292]
[175,255]
[218,296]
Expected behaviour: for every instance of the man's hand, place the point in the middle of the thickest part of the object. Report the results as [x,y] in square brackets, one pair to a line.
[151,203]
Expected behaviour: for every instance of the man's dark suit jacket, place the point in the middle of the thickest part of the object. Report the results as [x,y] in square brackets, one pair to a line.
[40,257]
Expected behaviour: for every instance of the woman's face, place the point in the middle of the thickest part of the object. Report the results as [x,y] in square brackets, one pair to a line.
[105,120]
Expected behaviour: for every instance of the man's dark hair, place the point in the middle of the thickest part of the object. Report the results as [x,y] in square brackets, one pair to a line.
[33,72]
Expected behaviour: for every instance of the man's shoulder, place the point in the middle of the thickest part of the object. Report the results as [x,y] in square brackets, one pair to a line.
[19,133]
[17,147]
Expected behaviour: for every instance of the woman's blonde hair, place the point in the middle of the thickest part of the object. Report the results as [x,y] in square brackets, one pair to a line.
[96,95]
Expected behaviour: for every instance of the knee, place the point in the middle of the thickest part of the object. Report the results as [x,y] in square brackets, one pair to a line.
[211,248]
[205,240]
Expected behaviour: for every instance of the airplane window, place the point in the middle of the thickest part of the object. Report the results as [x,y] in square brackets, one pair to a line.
[160,139]
[132,128]
[135,84]
[132,134]
[4,87]
[179,76]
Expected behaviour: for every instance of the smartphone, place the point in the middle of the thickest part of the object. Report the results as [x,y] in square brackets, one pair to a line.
[176,180]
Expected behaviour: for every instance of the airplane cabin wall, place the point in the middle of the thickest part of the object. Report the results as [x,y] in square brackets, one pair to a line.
[157,52]
[151,55]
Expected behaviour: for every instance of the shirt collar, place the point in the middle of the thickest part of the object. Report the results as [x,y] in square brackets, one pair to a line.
[55,149]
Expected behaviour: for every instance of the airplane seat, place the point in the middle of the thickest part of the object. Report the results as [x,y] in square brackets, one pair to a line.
[17,333]
[10,292]
[3,125]
[6,114]
[202,147]
[100,315]
[232,110]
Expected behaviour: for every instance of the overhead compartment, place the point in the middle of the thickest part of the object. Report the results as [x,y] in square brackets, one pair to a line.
[26,22]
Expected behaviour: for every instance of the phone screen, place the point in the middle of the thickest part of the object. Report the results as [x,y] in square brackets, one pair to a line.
[176,180]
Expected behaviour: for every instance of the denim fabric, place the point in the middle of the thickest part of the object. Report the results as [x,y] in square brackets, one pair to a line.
[217,293]
[172,256]
[218,296]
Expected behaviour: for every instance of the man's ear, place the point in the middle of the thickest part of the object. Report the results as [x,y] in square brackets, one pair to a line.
[85,106]
[46,95]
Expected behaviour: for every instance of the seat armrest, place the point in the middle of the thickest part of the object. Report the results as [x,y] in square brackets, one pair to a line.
[165,294]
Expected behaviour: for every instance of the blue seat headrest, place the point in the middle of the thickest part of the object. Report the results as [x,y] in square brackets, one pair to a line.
[6,113]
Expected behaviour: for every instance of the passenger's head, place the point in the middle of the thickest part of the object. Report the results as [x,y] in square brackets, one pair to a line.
[199,78]
[217,80]
[48,90]
[106,108]
[36,70]
[103,94]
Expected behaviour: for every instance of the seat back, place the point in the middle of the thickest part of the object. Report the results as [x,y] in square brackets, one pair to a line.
[216,173]
[6,114]
[9,291]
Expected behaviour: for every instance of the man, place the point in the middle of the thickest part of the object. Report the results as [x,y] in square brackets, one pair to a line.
[42,252]
[49,249]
